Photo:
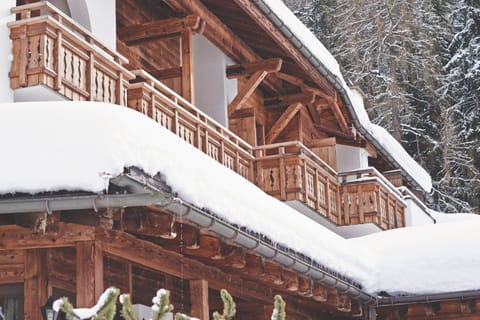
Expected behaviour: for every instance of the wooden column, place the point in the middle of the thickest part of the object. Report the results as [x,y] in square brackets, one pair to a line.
[89,273]
[199,299]
[35,285]
[187,65]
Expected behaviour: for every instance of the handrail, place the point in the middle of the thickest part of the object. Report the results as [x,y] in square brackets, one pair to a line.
[194,111]
[303,149]
[54,12]
[372,173]
[408,194]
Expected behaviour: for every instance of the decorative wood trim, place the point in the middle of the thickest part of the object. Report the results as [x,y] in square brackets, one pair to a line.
[282,122]
[160,29]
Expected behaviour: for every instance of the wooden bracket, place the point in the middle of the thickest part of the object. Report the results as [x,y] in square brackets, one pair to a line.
[160,29]
[246,91]
[282,122]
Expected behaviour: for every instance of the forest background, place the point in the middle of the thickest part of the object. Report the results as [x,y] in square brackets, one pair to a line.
[417,63]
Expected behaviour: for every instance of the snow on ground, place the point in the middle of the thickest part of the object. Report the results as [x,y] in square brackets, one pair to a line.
[50,146]
[453,217]
[318,51]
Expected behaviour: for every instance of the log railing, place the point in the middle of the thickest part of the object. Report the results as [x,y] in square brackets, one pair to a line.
[368,197]
[51,49]
[154,99]
[290,171]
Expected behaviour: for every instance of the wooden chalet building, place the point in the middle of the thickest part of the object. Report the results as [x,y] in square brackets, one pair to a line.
[235,79]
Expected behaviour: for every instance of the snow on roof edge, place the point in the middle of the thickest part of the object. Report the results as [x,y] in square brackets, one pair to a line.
[328,66]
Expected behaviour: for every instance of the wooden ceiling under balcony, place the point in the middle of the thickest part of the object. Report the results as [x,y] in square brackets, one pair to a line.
[240,30]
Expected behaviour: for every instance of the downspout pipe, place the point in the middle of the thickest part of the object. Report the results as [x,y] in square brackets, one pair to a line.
[334,80]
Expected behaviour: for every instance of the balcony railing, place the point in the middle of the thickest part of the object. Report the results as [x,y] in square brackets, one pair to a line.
[154,99]
[51,49]
[290,171]
[368,197]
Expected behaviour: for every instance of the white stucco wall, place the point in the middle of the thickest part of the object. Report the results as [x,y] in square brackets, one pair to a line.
[6,94]
[213,91]
[351,158]
[98,17]
[415,214]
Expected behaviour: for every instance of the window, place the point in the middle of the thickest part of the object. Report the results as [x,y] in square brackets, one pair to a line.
[11,302]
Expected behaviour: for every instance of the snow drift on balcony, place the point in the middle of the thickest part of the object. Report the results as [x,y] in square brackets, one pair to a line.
[49,146]
[314,50]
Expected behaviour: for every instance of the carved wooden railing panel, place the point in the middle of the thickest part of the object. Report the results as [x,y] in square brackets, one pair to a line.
[156,100]
[290,171]
[51,49]
[368,197]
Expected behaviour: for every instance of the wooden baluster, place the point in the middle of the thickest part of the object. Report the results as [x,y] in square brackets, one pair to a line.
[23,66]
[283,181]
[58,60]
[361,204]
[222,153]
[175,127]
[91,81]
[327,199]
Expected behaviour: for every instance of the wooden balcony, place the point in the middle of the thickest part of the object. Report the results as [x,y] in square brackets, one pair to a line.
[290,171]
[52,50]
[154,99]
[368,197]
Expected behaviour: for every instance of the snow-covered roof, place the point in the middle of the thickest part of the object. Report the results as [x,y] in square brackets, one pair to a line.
[323,60]
[51,146]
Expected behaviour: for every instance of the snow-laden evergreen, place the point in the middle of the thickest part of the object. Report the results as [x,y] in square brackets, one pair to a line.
[417,62]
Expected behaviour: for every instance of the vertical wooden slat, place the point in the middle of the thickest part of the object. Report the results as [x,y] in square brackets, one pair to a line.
[35,285]
[282,173]
[86,273]
[187,65]
[199,299]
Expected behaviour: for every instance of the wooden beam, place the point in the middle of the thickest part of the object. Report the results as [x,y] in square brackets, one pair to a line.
[286,100]
[187,66]
[148,223]
[175,72]
[246,91]
[143,253]
[334,132]
[168,28]
[199,299]
[304,85]
[15,237]
[35,283]
[89,270]
[282,122]
[321,143]
[248,68]
[276,34]
[222,36]
[337,112]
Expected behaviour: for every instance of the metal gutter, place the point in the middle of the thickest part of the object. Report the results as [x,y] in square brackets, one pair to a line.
[153,191]
[428,298]
[336,83]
